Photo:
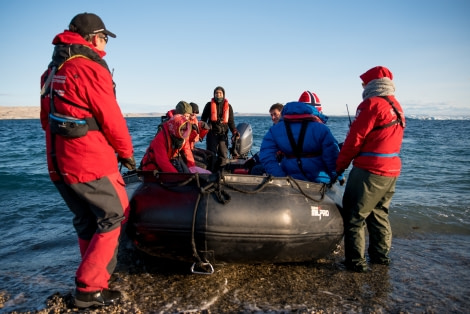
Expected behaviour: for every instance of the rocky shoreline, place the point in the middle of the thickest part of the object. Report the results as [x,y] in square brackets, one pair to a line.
[151,285]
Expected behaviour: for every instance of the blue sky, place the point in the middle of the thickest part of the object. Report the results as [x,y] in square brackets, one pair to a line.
[261,52]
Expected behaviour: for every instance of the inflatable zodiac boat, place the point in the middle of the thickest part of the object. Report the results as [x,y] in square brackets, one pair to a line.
[232,218]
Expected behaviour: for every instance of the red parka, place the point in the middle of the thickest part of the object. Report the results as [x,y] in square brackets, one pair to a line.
[88,85]
[160,151]
[373,148]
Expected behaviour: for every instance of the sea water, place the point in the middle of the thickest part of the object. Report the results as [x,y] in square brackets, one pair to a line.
[429,215]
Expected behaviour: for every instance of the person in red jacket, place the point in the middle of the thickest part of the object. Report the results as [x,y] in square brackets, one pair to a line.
[204,158]
[169,150]
[85,129]
[199,128]
[373,146]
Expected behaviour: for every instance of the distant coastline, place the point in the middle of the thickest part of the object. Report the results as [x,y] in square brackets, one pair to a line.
[32,112]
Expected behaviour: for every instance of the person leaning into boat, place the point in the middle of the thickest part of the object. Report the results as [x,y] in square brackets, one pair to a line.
[307,146]
[85,129]
[253,164]
[373,145]
[169,150]
[218,113]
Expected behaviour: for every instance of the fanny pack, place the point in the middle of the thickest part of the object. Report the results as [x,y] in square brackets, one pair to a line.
[71,127]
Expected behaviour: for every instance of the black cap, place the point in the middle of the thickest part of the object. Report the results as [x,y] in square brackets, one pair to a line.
[195,107]
[88,23]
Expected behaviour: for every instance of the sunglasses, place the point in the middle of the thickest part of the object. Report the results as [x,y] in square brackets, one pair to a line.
[103,36]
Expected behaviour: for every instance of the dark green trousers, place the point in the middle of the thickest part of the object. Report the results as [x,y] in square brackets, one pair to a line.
[366,203]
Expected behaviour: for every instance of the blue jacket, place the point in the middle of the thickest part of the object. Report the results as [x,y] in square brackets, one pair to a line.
[320,148]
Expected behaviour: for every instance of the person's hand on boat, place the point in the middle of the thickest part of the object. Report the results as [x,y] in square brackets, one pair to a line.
[337,178]
[129,162]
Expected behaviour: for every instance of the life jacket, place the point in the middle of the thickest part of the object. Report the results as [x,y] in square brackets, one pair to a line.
[399,120]
[297,147]
[62,54]
[215,115]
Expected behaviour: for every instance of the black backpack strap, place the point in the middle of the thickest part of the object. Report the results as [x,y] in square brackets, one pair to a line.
[297,147]
[399,119]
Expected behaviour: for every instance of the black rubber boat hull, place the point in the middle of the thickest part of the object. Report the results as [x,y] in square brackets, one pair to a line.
[173,217]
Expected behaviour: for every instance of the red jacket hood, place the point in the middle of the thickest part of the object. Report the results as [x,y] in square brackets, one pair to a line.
[376,73]
[68,37]
[176,125]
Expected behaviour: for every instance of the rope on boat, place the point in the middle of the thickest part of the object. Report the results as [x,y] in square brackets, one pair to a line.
[259,188]
[200,266]
[322,190]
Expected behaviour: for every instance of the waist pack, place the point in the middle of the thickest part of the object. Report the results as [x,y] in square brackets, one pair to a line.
[71,127]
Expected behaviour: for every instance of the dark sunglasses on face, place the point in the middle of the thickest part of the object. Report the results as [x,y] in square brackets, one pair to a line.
[103,36]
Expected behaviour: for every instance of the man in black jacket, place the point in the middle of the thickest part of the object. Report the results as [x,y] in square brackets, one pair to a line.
[218,113]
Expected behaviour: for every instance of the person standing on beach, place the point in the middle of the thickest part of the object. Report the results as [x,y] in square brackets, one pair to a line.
[218,113]
[85,129]
[373,145]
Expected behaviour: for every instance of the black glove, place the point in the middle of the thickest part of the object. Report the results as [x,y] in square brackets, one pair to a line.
[205,126]
[129,162]
[235,134]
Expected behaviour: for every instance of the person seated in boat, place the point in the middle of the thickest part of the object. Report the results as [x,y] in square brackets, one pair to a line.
[218,113]
[169,150]
[199,128]
[312,99]
[275,112]
[182,107]
[307,146]
[253,164]
[204,158]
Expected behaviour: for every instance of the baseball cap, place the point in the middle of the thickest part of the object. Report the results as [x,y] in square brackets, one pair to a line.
[89,23]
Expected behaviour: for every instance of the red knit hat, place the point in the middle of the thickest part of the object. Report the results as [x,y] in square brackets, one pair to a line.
[311,99]
[375,73]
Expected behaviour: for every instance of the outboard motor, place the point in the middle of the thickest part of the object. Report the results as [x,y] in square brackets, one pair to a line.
[241,145]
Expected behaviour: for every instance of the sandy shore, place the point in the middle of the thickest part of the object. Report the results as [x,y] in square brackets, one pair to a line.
[32,112]
[7,113]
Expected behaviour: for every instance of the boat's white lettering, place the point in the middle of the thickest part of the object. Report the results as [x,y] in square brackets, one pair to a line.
[318,212]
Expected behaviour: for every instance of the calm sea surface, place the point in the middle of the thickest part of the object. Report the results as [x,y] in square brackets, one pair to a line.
[430,217]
